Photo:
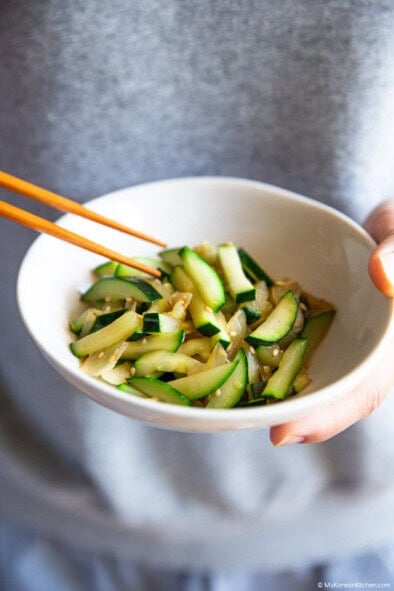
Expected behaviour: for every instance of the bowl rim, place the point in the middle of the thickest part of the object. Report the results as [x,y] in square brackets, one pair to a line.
[255,417]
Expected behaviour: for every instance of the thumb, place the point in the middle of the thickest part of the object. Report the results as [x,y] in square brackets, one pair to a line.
[380,224]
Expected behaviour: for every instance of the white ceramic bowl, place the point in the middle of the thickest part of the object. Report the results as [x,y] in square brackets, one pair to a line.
[290,235]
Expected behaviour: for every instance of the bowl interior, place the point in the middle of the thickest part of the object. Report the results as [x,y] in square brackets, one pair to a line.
[290,236]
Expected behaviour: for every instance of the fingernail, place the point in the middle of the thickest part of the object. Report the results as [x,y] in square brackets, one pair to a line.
[290,439]
[387,261]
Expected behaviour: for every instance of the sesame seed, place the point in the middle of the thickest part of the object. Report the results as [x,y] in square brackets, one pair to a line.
[218,393]
[252,350]
[101,355]
[144,342]
[233,333]
[132,371]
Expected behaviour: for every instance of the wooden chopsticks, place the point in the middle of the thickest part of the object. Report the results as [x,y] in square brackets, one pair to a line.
[35,222]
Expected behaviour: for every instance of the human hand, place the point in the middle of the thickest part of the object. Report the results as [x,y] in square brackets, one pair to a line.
[368,396]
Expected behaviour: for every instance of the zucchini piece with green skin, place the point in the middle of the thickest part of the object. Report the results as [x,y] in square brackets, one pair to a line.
[166,341]
[315,330]
[280,383]
[171,256]
[155,263]
[155,322]
[253,269]
[127,389]
[203,383]
[295,331]
[118,330]
[222,336]
[117,288]
[230,393]
[255,390]
[106,269]
[205,278]
[149,364]
[203,317]
[239,286]
[269,355]
[260,307]
[105,319]
[277,324]
[161,391]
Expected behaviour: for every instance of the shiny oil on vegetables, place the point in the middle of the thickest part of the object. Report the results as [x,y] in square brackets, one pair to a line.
[216,331]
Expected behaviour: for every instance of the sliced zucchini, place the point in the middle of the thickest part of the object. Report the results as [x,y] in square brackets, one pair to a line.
[239,286]
[166,341]
[295,330]
[105,319]
[253,269]
[171,256]
[205,278]
[269,354]
[222,336]
[260,307]
[117,288]
[155,362]
[280,383]
[159,306]
[161,391]
[118,330]
[253,367]
[278,290]
[229,306]
[315,329]
[165,289]
[230,393]
[156,322]
[278,323]
[203,317]
[154,263]
[199,385]
[127,389]
[106,269]
[255,390]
